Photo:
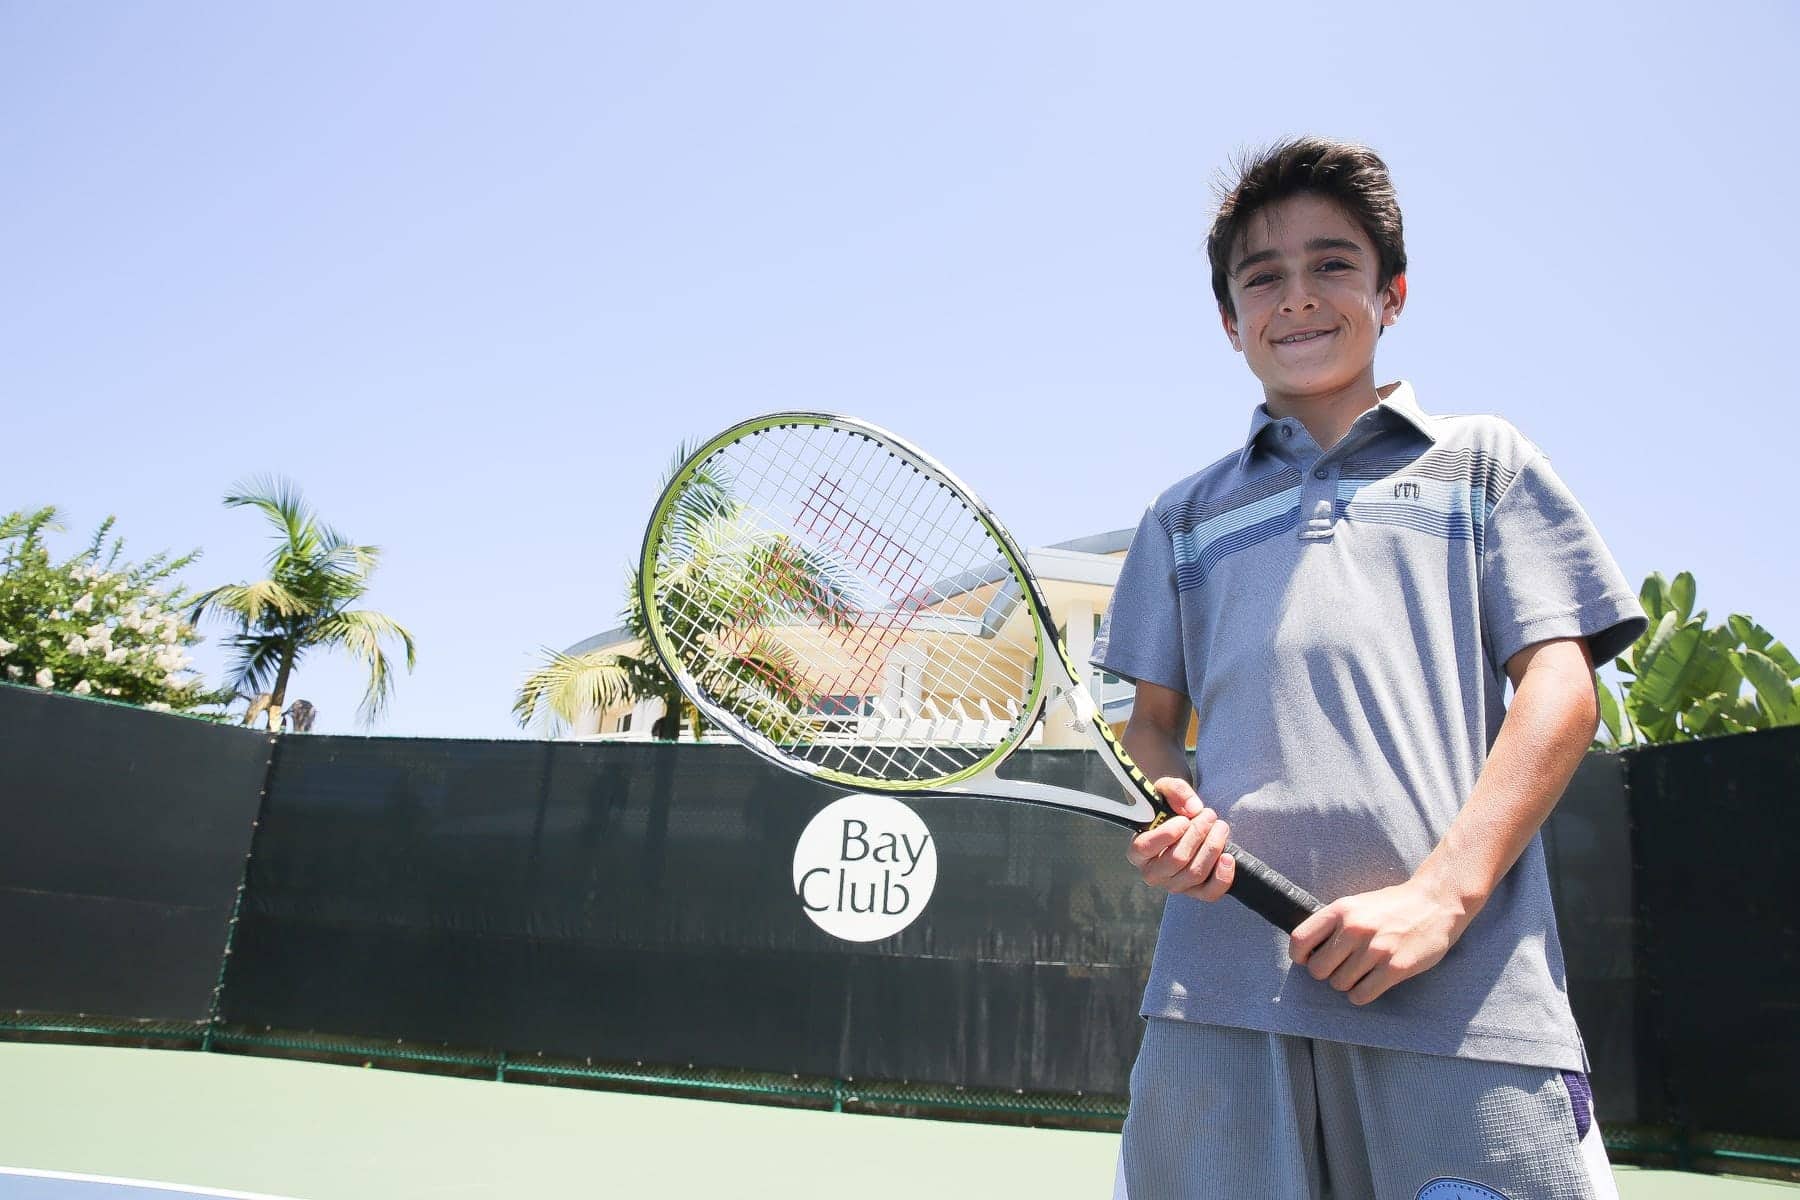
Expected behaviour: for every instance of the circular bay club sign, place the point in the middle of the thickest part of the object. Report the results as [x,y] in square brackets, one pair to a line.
[864,867]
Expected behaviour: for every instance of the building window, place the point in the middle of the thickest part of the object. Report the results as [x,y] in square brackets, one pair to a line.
[844,706]
[624,724]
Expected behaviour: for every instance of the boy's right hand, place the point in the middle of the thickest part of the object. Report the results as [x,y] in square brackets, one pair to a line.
[1185,854]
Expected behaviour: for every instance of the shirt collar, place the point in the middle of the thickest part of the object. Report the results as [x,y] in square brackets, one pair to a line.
[1399,402]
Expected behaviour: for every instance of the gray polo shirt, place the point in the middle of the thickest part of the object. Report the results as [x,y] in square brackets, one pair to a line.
[1342,622]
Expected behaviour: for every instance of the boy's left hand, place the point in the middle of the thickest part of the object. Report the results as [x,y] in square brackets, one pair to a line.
[1366,943]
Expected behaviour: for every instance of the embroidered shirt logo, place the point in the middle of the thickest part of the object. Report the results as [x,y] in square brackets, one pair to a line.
[1457,1189]
[1406,491]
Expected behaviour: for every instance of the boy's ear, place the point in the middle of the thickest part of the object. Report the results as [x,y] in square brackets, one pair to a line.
[1231,333]
[1393,299]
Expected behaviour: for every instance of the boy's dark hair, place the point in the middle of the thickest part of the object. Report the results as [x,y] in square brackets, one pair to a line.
[1353,176]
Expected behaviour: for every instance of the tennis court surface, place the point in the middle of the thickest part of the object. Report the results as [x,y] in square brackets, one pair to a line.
[64,1185]
[103,1123]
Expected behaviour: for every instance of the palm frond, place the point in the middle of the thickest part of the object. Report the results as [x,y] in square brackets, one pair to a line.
[255,664]
[361,632]
[764,685]
[250,603]
[349,562]
[280,500]
[566,686]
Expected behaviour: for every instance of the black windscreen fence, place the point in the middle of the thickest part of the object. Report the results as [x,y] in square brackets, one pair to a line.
[123,835]
[636,903]
[1714,835]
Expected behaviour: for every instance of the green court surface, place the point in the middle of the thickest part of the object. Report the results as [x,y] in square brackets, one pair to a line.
[318,1132]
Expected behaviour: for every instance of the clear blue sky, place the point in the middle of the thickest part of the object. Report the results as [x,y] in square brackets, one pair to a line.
[467,272]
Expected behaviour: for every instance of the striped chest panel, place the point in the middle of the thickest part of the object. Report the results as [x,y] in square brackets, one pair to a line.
[1445,493]
[1206,532]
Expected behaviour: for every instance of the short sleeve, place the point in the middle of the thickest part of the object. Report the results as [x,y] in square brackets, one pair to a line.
[1140,638]
[1547,574]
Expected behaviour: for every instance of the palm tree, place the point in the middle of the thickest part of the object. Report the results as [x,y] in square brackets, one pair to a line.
[723,581]
[315,574]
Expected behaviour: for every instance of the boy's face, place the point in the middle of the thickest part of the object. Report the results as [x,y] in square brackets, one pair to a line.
[1303,279]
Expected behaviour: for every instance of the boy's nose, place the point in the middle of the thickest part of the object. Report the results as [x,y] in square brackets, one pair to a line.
[1297,297]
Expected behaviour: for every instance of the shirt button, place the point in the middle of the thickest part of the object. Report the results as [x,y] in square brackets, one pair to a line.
[1321,473]
[1287,431]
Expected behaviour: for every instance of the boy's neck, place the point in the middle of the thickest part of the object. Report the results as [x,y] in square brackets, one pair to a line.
[1328,417]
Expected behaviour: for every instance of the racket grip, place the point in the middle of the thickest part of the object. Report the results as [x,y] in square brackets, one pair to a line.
[1268,893]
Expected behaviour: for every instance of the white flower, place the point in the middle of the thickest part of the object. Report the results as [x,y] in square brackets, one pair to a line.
[82,688]
[85,604]
[113,692]
[7,647]
[169,634]
[15,672]
[158,706]
[117,655]
[98,629]
[152,612]
[45,678]
[130,621]
[76,644]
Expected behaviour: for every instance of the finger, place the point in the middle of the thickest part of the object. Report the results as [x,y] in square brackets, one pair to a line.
[1222,877]
[1312,933]
[1179,795]
[1373,984]
[1328,958]
[1200,870]
[1169,869]
[1358,962]
[1151,844]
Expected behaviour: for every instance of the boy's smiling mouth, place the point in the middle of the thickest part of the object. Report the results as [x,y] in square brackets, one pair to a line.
[1305,335]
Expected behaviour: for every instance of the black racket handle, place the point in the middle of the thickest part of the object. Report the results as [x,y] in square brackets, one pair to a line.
[1268,893]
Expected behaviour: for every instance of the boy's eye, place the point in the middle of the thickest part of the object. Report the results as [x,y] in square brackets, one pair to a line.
[1258,279]
[1334,264]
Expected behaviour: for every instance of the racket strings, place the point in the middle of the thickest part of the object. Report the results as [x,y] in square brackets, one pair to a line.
[848,607]
[956,536]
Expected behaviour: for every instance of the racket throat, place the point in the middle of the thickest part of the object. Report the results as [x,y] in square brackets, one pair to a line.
[1132,815]
[1083,711]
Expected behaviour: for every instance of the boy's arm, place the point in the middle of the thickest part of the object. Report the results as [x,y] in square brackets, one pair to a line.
[1367,943]
[1184,855]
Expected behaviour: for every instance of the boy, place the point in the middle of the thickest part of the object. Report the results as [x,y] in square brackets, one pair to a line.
[1341,602]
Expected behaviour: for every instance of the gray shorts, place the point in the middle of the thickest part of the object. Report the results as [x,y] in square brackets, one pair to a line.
[1221,1112]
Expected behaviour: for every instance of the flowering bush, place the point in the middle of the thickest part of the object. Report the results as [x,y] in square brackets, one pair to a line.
[94,625]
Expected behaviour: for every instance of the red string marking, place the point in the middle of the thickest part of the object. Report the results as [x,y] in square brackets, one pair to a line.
[778,577]
[887,564]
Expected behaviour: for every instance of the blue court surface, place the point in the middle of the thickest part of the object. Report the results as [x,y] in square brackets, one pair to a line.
[59,1185]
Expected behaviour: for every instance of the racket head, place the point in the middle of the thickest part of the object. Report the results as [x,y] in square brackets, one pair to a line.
[843,605]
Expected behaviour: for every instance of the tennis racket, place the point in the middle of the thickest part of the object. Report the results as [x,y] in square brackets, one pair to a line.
[845,607]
